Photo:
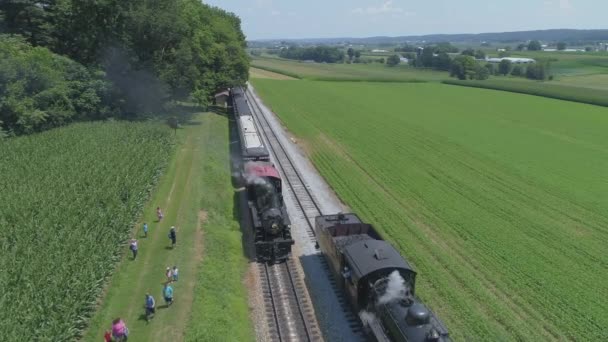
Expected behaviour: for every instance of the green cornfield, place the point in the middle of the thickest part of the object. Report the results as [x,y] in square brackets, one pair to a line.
[498,199]
[69,198]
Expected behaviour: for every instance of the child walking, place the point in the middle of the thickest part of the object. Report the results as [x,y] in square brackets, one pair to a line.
[159,214]
[175,273]
[145,230]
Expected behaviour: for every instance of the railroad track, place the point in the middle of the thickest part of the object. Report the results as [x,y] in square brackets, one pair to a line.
[306,204]
[289,314]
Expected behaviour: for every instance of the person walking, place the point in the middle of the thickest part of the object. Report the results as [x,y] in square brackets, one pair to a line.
[169,274]
[120,332]
[150,307]
[159,214]
[134,248]
[145,230]
[107,337]
[173,236]
[168,294]
[175,273]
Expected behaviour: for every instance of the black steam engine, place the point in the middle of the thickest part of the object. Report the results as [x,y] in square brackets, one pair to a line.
[378,282]
[272,236]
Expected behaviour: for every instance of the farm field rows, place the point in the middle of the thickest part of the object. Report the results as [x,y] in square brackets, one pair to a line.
[348,72]
[70,197]
[498,199]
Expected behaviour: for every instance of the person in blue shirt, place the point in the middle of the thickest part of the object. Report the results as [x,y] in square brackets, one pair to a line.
[150,306]
[168,294]
[145,229]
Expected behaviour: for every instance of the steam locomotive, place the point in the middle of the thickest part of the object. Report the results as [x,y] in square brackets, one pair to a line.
[263,185]
[378,282]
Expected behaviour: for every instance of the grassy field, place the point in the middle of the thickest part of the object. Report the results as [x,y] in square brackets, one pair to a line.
[563,90]
[571,64]
[210,297]
[348,72]
[69,199]
[261,73]
[498,199]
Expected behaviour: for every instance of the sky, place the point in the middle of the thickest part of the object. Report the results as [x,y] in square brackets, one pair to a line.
[273,19]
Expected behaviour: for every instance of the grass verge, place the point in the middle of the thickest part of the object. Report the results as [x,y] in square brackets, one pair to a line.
[220,307]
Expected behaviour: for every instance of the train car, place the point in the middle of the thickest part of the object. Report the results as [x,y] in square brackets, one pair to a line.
[252,145]
[378,282]
[262,181]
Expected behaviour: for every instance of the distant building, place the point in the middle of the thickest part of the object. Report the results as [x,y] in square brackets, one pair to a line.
[378,51]
[404,60]
[221,98]
[513,60]
[501,50]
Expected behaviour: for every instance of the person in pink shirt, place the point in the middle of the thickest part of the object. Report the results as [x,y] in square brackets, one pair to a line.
[120,331]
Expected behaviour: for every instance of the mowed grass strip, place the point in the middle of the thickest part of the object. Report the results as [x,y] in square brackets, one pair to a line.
[183,195]
[497,198]
[220,310]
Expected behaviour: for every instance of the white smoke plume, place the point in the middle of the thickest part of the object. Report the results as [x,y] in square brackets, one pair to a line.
[254,179]
[367,318]
[395,289]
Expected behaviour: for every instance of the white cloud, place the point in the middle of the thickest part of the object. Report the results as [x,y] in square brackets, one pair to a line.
[386,7]
[565,4]
[275,12]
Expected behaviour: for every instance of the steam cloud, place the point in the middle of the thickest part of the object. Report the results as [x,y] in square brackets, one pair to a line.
[395,289]
[367,317]
[254,179]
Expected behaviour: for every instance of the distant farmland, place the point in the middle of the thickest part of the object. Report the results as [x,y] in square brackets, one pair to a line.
[348,72]
[499,199]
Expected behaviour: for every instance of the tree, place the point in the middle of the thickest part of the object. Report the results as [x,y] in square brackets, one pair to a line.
[350,52]
[393,60]
[468,52]
[479,54]
[561,46]
[442,61]
[463,67]
[534,45]
[504,67]
[357,54]
[491,68]
[521,47]
[481,72]
[588,49]
[538,71]
[517,71]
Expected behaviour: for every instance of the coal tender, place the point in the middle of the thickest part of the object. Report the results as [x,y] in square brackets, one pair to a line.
[378,282]
[272,236]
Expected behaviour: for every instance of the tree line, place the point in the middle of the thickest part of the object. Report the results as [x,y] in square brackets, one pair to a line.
[319,54]
[66,60]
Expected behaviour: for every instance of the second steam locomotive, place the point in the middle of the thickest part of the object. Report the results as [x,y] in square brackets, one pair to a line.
[378,282]
[272,229]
